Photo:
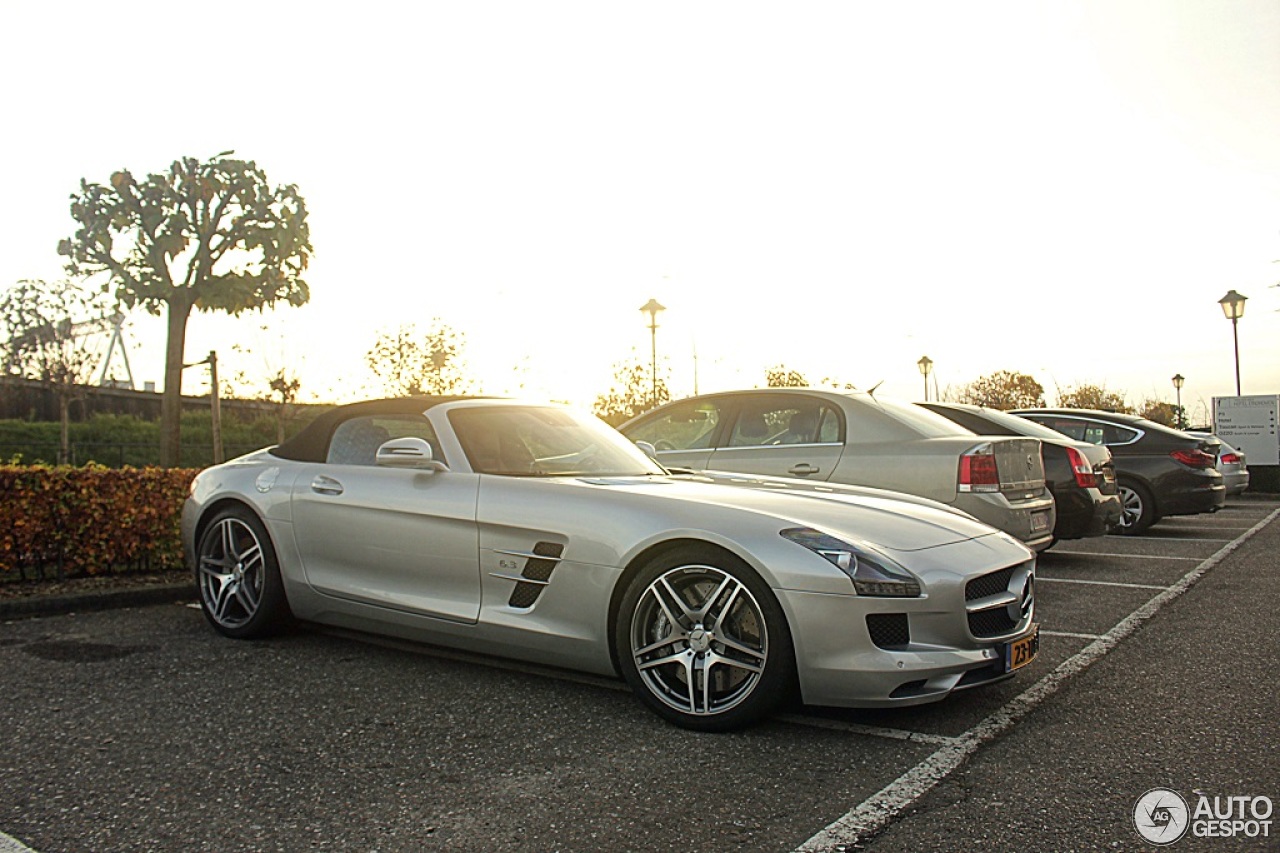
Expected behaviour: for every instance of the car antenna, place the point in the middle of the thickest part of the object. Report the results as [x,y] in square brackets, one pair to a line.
[872,392]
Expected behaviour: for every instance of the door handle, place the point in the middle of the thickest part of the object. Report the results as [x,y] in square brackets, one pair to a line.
[326,486]
[804,469]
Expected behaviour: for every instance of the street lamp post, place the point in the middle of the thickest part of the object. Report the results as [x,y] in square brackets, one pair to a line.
[652,308]
[925,364]
[1233,307]
[1178,379]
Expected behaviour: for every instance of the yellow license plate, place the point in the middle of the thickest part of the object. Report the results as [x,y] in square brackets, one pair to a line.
[1021,652]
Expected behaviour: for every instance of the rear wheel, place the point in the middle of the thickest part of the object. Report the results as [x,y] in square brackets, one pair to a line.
[241,592]
[1138,508]
[702,640]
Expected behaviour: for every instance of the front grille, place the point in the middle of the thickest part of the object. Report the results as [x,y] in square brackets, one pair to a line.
[987,585]
[889,630]
[1011,595]
[991,623]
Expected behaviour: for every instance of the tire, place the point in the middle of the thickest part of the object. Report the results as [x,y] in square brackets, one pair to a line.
[1137,508]
[238,576]
[703,642]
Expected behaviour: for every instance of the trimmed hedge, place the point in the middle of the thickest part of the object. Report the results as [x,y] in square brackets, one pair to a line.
[65,522]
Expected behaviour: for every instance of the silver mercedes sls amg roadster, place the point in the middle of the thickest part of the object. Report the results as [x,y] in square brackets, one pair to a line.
[535,531]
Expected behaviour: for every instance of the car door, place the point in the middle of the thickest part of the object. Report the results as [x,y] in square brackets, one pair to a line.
[403,539]
[781,435]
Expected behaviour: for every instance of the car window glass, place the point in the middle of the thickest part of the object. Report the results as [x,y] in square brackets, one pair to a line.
[919,420]
[829,427]
[535,441]
[1113,434]
[1095,433]
[765,423]
[684,426]
[995,422]
[1067,426]
[356,441]
[872,420]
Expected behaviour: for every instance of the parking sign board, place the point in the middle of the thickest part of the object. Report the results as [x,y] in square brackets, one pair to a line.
[1249,425]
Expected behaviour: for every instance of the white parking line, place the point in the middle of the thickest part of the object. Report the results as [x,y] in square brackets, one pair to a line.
[875,813]
[860,729]
[9,844]
[1042,579]
[1072,634]
[1116,554]
[1171,539]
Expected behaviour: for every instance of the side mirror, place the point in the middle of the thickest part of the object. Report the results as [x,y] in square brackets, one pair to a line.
[649,450]
[413,453]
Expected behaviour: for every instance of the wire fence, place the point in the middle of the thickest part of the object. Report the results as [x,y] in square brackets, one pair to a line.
[114,454]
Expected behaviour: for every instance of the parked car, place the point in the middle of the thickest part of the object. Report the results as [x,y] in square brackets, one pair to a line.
[1232,464]
[860,439]
[537,532]
[1081,476]
[1161,471]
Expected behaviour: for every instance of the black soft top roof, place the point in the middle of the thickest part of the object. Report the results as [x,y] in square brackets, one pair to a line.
[312,444]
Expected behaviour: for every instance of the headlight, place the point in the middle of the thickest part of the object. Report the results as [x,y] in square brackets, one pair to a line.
[871,573]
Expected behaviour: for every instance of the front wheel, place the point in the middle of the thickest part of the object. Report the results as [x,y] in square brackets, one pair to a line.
[1138,509]
[238,576]
[702,640]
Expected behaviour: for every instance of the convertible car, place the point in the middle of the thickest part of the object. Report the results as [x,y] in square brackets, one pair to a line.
[535,531]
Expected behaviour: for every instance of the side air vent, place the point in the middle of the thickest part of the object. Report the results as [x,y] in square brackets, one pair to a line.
[539,564]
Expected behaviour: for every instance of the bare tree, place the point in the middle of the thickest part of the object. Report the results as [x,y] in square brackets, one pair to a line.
[1093,397]
[1002,390]
[631,394]
[41,320]
[780,376]
[1162,413]
[409,363]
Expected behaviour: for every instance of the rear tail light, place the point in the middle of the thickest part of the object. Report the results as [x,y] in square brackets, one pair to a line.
[978,471]
[1230,459]
[1194,458]
[1084,474]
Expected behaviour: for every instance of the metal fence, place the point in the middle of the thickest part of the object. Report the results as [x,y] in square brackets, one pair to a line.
[115,454]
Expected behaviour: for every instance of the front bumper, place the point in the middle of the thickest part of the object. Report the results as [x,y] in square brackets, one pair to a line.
[943,644]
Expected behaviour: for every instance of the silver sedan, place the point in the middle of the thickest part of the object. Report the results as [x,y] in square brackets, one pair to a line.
[860,439]
[536,532]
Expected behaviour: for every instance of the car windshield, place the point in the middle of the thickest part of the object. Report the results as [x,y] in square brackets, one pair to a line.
[545,441]
[922,421]
[1020,426]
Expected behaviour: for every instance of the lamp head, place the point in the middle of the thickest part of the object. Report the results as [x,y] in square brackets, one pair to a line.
[1233,305]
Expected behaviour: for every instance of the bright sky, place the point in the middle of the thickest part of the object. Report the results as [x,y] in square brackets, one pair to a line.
[1060,189]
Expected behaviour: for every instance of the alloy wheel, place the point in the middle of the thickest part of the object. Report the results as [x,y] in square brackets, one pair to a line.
[231,572]
[699,640]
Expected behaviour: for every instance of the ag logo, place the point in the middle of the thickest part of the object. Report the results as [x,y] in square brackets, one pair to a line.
[1161,816]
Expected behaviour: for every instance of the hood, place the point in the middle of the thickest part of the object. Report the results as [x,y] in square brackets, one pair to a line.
[888,519]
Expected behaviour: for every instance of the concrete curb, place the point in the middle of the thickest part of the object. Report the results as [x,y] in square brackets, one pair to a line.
[107,599]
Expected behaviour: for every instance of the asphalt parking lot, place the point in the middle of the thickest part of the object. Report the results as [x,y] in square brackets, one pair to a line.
[140,729]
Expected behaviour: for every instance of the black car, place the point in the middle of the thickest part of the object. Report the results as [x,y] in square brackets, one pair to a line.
[1162,471]
[1081,476]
